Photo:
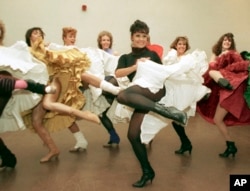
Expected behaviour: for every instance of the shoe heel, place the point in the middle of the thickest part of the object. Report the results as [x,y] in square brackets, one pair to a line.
[49,158]
[190,151]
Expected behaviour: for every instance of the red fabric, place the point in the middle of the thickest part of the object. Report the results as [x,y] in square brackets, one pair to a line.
[156,48]
[234,69]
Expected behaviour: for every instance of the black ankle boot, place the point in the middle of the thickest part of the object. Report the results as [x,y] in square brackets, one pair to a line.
[225,84]
[8,161]
[148,175]
[185,142]
[171,113]
[231,149]
[8,158]
[184,147]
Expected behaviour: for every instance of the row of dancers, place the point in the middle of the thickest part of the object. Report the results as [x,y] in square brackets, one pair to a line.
[174,87]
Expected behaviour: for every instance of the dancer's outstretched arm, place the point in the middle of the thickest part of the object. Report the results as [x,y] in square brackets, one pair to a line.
[8,84]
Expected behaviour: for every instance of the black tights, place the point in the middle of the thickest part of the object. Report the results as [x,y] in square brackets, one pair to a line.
[140,98]
[107,123]
[143,101]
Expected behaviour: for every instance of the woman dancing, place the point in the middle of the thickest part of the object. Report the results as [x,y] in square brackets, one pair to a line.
[66,69]
[227,78]
[142,99]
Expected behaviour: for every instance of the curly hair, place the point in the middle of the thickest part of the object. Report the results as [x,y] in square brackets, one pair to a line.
[67,30]
[29,33]
[217,48]
[139,26]
[2,32]
[180,38]
[99,38]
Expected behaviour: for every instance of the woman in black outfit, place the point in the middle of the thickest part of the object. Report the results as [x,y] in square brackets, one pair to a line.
[142,99]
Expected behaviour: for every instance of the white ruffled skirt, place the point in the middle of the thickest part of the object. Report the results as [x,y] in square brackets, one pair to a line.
[21,64]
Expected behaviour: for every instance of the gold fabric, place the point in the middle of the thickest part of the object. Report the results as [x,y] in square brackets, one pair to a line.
[67,67]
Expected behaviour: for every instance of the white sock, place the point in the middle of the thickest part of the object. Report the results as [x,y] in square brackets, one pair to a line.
[80,140]
[108,87]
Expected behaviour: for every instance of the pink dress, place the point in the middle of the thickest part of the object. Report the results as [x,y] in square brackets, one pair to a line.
[234,69]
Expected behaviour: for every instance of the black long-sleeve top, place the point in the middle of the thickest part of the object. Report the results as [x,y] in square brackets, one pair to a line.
[127,60]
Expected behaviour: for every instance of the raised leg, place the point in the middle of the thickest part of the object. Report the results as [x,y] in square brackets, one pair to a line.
[97,82]
[217,77]
[50,103]
[143,99]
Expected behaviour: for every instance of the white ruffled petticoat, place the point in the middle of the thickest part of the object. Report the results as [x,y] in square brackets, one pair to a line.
[102,64]
[21,64]
[183,80]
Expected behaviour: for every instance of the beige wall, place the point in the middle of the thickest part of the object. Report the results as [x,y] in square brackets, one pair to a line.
[202,21]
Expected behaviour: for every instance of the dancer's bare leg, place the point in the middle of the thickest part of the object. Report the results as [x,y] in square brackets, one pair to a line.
[218,120]
[218,78]
[50,103]
[38,114]
[215,75]
[98,83]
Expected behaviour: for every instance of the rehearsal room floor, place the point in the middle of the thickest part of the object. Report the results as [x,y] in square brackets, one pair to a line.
[102,169]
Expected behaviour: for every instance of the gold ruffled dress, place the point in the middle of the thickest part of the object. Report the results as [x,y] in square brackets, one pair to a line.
[67,67]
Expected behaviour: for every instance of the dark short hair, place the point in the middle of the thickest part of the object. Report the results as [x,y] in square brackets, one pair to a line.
[29,33]
[139,26]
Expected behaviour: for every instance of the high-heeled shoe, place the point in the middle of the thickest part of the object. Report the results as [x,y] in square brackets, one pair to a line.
[8,158]
[184,148]
[79,147]
[111,145]
[49,157]
[231,149]
[148,175]
[114,140]
[225,84]
[2,168]
[11,163]
[185,142]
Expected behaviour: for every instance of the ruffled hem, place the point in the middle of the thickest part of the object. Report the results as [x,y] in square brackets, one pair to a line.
[66,66]
[234,69]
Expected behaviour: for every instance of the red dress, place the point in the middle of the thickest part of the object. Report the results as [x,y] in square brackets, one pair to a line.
[234,69]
